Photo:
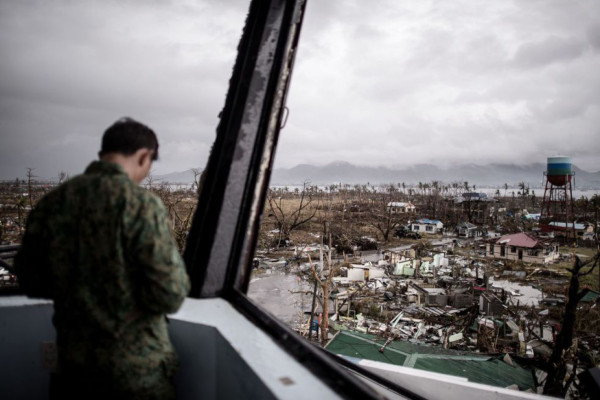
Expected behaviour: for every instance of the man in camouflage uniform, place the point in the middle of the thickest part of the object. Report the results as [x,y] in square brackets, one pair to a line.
[99,245]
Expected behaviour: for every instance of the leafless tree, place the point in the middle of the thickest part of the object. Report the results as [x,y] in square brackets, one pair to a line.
[199,176]
[289,219]
[149,181]
[30,177]
[563,352]
[382,215]
[62,176]
[324,283]
[180,206]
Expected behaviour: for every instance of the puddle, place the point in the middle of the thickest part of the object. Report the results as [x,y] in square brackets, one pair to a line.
[272,291]
[529,295]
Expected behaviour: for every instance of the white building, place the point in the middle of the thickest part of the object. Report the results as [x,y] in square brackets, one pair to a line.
[400,207]
[427,226]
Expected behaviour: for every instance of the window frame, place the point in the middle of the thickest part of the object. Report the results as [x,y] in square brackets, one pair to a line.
[221,242]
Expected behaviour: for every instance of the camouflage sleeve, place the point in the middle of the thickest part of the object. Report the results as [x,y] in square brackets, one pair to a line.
[31,262]
[165,282]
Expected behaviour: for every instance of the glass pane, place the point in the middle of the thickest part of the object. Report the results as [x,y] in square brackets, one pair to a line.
[417,134]
[70,69]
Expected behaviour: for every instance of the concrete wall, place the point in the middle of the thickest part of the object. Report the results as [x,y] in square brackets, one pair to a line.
[461,300]
[376,273]
[438,300]
[356,274]
[422,228]
[24,326]
[541,258]
[210,368]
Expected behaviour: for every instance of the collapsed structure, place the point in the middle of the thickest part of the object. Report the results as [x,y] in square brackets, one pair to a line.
[458,313]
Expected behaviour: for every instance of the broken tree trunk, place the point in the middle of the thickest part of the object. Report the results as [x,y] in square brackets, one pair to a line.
[557,364]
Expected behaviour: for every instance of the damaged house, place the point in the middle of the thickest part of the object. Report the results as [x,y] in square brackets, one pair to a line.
[358,272]
[476,206]
[431,295]
[523,247]
[406,267]
[491,305]
[395,207]
[426,225]
[468,230]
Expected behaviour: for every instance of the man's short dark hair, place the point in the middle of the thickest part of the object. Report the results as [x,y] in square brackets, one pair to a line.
[126,136]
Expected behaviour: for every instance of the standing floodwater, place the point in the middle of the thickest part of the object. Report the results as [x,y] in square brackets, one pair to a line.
[282,294]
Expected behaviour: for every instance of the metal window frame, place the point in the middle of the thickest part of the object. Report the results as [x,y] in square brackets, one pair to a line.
[223,233]
[222,238]
[221,241]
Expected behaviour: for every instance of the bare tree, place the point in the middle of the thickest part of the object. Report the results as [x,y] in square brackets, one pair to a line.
[20,204]
[288,219]
[62,176]
[199,176]
[149,181]
[562,352]
[180,206]
[30,178]
[382,214]
[324,283]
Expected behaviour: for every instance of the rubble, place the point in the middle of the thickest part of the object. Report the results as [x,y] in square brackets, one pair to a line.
[438,298]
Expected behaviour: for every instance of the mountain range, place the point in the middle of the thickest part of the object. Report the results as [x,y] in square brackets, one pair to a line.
[492,175]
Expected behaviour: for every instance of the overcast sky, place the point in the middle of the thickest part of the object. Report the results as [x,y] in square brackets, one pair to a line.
[391,83]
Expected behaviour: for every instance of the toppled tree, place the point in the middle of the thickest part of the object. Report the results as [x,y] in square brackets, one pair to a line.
[563,353]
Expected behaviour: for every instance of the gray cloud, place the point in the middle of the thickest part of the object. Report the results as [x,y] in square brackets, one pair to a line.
[447,83]
[73,68]
[548,51]
[394,82]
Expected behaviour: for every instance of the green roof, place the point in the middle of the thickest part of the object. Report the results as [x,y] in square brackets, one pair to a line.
[492,371]
[590,296]
[475,367]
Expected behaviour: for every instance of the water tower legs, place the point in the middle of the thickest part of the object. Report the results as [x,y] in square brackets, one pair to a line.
[557,210]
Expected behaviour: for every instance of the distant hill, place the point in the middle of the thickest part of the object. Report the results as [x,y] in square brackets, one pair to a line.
[480,175]
[493,175]
[176,177]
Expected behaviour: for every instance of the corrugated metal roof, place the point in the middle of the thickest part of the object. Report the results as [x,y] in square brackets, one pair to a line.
[518,240]
[427,221]
[399,204]
[476,368]
[494,371]
[590,296]
[563,225]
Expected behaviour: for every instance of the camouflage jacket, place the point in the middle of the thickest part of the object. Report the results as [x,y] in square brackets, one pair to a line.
[99,245]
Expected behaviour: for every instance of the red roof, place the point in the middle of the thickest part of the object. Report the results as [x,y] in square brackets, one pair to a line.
[518,240]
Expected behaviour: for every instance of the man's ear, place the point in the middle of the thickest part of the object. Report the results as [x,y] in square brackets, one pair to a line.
[144,156]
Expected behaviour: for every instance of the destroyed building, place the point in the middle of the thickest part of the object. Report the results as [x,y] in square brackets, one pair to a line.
[396,207]
[468,230]
[500,371]
[523,247]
